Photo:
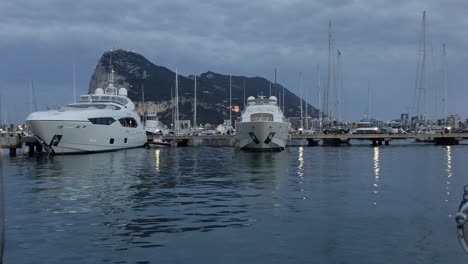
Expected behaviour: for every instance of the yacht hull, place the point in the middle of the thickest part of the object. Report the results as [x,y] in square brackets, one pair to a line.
[262,135]
[72,137]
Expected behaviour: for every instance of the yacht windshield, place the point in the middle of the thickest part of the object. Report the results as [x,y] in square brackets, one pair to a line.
[97,106]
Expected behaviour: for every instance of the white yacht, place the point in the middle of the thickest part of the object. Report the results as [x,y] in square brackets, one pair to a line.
[262,125]
[103,121]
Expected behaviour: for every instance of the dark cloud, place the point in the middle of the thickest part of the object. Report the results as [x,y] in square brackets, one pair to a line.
[378,39]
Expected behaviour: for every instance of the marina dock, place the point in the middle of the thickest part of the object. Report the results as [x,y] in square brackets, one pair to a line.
[14,141]
[314,139]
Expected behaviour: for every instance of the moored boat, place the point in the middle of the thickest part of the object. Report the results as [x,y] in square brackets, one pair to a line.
[262,126]
[103,121]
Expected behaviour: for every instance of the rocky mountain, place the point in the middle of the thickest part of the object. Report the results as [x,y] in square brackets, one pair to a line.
[136,73]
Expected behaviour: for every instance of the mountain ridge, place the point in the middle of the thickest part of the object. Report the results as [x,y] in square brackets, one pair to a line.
[136,73]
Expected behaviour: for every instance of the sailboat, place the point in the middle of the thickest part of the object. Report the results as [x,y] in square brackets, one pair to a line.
[327,104]
[421,83]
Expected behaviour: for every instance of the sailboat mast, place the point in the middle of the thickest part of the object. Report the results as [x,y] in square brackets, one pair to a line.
[319,100]
[176,118]
[300,97]
[422,80]
[444,100]
[230,98]
[329,100]
[195,102]
[283,97]
[34,96]
[30,95]
[270,88]
[276,88]
[74,83]
[306,120]
[339,83]
[244,93]
[426,100]
[143,103]
[368,101]
[172,109]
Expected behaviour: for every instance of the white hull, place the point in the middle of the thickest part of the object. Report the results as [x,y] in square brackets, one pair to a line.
[85,137]
[262,135]
[155,127]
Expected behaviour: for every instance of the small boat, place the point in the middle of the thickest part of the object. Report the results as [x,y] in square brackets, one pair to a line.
[159,142]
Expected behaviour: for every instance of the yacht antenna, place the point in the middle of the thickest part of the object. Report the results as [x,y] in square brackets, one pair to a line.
[111,79]
[111,89]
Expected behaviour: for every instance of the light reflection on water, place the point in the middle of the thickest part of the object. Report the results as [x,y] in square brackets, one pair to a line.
[449,172]
[302,204]
[376,173]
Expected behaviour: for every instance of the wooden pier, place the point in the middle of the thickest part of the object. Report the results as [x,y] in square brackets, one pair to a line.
[378,139]
[14,141]
[314,139]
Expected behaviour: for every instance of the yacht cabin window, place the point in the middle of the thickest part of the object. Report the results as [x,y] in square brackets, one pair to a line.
[102,120]
[261,117]
[97,106]
[128,122]
[103,98]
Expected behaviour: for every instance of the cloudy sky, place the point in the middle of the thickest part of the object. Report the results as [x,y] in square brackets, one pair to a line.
[378,39]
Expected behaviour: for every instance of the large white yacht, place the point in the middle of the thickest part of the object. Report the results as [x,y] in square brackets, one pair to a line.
[103,121]
[262,125]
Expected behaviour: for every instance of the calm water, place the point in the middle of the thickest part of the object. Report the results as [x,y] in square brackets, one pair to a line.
[355,204]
